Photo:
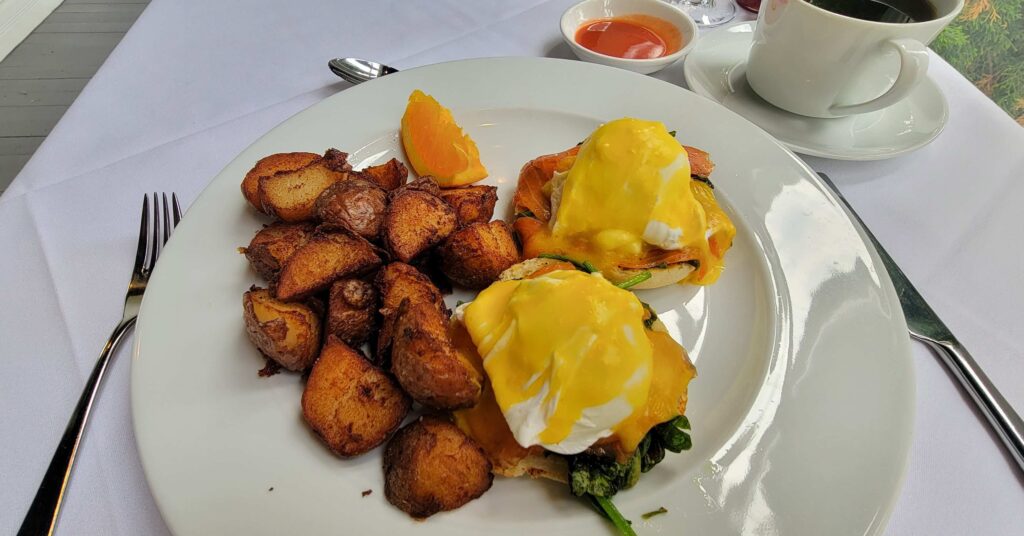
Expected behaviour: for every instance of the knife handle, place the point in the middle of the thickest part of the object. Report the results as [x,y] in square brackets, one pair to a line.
[1000,414]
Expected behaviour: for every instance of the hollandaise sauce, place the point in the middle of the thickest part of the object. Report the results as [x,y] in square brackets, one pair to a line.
[638,37]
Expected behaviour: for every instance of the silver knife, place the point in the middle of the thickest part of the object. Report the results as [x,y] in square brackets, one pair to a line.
[925,326]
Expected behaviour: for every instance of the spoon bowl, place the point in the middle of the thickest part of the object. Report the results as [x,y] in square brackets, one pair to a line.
[355,70]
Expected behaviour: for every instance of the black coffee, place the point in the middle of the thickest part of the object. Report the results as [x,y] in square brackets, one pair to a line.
[880,10]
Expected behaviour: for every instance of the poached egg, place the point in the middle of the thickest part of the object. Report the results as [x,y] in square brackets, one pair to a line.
[630,185]
[570,362]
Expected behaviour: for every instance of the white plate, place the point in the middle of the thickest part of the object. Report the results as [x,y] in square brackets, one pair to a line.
[802,411]
[717,66]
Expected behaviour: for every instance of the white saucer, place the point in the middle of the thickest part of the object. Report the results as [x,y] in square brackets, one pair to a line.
[716,68]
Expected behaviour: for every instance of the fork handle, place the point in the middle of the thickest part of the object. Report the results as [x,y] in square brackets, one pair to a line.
[42,514]
[1000,414]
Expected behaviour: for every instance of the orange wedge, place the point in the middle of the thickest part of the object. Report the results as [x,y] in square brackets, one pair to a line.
[436,145]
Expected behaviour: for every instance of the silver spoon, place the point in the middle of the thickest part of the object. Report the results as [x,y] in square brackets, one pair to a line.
[355,70]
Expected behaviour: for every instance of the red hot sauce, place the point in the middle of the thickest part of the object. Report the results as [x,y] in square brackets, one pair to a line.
[637,37]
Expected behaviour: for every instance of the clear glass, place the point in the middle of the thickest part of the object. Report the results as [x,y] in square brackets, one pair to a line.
[707,13]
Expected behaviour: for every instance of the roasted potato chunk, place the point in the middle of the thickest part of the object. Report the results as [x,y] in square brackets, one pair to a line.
[397,282]
[274,245]
[288,333]
[431,466]
[425,362]
[291,195]
[414,222]
[389,175]
[352,311]
[357,204]
[475,256]
[330,254]
[472,204]
[423,184]
[350,404]
[270,165]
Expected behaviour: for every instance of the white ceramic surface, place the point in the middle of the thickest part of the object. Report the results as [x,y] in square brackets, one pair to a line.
[598,9]
[802,410]
[717,69]
[817,63]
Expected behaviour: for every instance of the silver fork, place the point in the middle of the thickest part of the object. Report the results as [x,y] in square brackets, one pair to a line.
[42,514]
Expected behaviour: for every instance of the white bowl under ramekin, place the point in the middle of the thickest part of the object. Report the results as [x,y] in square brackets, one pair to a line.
[600,9]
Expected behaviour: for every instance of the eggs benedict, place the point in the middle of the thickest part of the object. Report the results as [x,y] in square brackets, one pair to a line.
[575,366]
[631,201]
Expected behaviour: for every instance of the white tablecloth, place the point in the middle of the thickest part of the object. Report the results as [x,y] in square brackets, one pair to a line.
[194,82]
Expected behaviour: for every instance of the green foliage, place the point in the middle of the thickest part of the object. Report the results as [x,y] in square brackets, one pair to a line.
[653,453]
[986,44]
[635,280]
[650,317]
[607,508]
[584,266]
[652,513]
[673,434]
[597,478]
[602,476]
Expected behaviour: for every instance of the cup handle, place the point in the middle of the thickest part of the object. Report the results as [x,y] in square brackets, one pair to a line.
[913,66]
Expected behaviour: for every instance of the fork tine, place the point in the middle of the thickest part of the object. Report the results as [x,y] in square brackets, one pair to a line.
[154,236]
[140,253]
[166,220]
[177,209]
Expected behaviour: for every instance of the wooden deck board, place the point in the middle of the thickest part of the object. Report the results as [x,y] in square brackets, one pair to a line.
[46,92]
[42,76]
[20,145]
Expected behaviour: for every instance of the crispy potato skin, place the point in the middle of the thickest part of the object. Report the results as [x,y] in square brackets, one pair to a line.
[332,253]
[389,175]
[350,404]
[475,255]
[472,204]
[423,184]
[292,195]
[270,165]
[397,282]
[431,466]
[357,204]
[425,362]
[352,311]
[415,221]
[288,333]
[274,245]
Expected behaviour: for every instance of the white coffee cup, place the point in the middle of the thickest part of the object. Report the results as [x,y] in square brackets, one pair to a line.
[817,63]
